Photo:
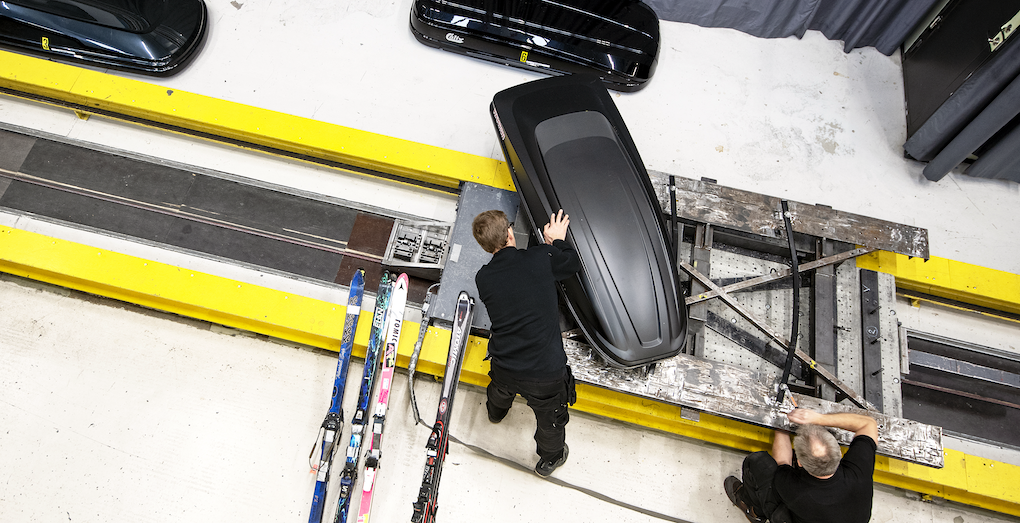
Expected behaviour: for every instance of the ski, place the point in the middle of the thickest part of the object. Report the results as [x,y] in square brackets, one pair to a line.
[394,319]
[423,327]
[350,471]
[333,422]
[438,443]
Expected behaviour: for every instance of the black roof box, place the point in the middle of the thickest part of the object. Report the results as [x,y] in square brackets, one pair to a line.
[567,147]
[617,40]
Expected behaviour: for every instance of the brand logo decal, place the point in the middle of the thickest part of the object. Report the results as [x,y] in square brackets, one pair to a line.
[454,38]
[524,56]
[46,43]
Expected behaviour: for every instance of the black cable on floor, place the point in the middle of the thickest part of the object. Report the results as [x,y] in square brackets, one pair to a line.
[556,481]
[584,490]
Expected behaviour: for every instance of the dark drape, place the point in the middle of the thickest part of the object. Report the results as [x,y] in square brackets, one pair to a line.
[1000,161]
[994,117]
[976,117]
[883,24]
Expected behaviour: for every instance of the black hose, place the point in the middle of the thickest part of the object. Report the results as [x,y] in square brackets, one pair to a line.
[796,305]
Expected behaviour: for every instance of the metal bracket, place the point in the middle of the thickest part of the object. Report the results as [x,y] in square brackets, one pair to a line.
[778,275]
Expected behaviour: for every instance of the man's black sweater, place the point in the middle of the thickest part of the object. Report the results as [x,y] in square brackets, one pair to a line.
[519,291]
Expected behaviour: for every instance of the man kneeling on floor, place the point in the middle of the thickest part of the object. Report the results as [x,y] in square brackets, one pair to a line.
[820,487]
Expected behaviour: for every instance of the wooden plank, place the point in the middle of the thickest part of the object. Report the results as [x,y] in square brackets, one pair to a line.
[758,214]
[743,395]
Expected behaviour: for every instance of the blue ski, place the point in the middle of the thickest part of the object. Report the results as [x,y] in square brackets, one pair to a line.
[332,424]
[350,471]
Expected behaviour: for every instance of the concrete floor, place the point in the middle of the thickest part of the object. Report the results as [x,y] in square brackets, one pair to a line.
[110,413]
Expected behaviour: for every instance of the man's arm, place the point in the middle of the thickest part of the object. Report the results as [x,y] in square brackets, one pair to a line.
[782,450]
[566,262]
[859,424]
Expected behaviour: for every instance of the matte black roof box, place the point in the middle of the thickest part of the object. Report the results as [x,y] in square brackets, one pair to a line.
[618,40]
[567,147]
[153,37]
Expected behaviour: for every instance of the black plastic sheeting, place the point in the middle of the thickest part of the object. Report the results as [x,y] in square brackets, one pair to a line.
[882,24]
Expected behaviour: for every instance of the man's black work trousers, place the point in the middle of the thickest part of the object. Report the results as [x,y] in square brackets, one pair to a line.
[548,399]
[758,471]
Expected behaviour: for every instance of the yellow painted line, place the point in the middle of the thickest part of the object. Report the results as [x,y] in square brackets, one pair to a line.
[966,479]
[190,112]
[916,299]
[950,279]
[157,285]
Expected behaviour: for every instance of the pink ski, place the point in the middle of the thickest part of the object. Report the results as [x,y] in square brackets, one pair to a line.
[394,319]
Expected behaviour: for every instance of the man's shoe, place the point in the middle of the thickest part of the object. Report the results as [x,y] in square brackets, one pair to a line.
[544,468]
[734,488]
[495,419]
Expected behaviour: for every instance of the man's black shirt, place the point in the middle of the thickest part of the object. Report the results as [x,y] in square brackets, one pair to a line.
[846,497]
[518,288]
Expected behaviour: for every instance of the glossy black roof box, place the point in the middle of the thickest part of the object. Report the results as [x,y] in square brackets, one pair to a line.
[146,36]
[618,40]
[567,147]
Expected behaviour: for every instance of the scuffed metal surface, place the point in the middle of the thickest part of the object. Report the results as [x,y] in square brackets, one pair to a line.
[897,437]
[744,395]
[759,214]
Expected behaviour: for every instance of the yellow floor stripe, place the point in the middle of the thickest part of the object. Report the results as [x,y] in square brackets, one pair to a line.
[950,279]
[203,114]
[966,479]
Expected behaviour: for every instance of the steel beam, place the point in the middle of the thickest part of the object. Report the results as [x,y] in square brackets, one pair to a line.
[871,343]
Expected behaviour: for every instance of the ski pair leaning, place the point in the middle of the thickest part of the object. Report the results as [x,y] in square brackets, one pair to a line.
[438,443]
[333,423]
[386,322]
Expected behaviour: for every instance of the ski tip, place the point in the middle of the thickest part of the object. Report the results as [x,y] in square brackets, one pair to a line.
[358,282]
[402,280]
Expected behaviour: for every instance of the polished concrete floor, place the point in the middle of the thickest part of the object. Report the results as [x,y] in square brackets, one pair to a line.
[111,413]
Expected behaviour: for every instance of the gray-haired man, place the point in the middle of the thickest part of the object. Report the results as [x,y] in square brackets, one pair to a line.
[823,485]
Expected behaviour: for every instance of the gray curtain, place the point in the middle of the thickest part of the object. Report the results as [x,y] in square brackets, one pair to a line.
[978,116]
[986,124]
[882,24]
[1000,161]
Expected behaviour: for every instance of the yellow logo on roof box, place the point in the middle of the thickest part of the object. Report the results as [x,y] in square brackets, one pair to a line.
[524,56]
[46,43]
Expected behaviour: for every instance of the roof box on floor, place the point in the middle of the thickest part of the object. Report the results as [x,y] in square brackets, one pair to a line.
[617,40]
[154,37]
[567,147]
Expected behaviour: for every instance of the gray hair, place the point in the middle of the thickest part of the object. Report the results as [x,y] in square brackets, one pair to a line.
[817,450]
